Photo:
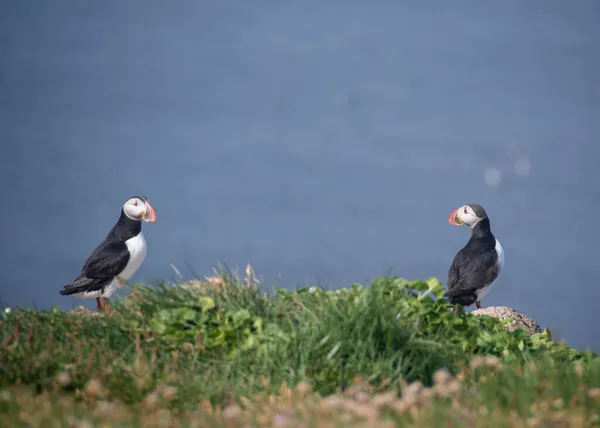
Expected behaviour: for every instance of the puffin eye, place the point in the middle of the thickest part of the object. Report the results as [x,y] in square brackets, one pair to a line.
[466,212]
[135,203]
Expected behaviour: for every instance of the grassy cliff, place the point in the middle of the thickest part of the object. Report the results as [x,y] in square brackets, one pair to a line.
[224,353]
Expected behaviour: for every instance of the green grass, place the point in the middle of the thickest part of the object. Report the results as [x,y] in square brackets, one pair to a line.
[223,351]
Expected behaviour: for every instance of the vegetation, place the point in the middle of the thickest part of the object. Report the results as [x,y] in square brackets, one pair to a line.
[223,352]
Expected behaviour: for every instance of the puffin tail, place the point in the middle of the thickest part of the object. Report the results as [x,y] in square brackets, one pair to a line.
[80,285]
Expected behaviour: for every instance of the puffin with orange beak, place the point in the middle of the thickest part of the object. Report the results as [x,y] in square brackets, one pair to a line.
[477,266]
[117,258]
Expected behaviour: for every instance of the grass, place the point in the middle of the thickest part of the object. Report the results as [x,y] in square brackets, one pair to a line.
[221,352]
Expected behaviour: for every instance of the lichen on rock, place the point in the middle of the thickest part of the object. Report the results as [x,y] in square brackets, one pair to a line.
[519,320]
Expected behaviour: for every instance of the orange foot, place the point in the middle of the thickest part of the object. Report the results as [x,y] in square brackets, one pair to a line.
[478,304]
[100,308]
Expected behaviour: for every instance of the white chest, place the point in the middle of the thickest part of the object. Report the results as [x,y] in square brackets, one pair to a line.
[499,264]
[500,252]
[137,254]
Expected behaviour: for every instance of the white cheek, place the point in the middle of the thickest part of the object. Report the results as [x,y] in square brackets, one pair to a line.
[133,212]
[473,220]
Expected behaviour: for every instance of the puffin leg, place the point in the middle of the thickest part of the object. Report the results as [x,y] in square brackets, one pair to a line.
[106,304]
[99,304]
[478,304]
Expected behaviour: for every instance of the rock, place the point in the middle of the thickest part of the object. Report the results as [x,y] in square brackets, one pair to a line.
[519,320]
[82,310]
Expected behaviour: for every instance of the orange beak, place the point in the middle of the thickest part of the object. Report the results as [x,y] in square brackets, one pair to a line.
[150,215]
[454,218]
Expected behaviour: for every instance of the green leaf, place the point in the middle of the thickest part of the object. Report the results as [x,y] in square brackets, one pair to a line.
[334,351]
[240,317]
[435,287]
[158,326]
[258,323]
[205,303]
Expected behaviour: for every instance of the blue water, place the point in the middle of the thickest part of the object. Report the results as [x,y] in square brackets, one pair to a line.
[318,142]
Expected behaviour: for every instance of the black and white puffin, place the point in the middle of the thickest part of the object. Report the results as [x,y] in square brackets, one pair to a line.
[477,266]
[117,258]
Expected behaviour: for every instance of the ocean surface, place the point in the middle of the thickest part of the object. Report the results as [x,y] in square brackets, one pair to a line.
[321,142]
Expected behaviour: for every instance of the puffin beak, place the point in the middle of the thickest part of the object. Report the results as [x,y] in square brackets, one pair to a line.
[454,218]
[149,215]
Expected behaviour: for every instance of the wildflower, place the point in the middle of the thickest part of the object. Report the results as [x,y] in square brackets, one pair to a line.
[94,388]
[63,378]
[594,393]
[151,401]
[442,377]
[303,388]
[231,412]
[169,392]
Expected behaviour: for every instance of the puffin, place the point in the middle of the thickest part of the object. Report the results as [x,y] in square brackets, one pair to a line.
[117,258]
[475,267]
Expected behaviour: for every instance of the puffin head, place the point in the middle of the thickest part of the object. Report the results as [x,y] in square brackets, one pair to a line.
[469,215]
[138,208]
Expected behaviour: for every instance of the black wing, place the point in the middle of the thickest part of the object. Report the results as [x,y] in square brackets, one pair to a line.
[106,262]
[467,274]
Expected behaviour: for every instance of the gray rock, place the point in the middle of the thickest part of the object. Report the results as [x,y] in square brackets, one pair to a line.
[519,320]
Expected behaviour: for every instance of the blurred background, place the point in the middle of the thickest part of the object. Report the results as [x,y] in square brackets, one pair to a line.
[319,142]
